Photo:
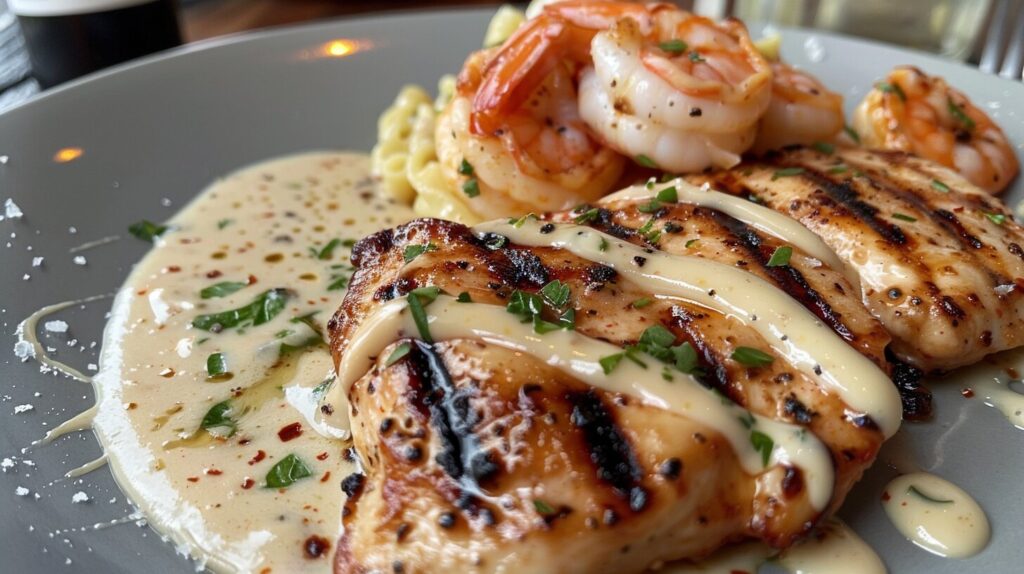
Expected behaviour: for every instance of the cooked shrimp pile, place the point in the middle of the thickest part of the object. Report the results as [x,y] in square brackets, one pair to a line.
[911,111]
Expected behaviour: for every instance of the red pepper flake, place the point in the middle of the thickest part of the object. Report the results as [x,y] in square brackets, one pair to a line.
[290,432]
[141,292]
[260,455]
[213,274]
[248,483]
[172,269]
[967,393]
[252,279]
[193,479]
[885,496]
[326,476]
[214,471]
[244,441]
[322,456]
[315,546]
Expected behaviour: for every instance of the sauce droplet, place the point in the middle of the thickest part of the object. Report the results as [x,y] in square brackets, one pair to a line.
[936,515]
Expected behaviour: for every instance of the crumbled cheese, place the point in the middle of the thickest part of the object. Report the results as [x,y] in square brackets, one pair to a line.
[4,159]
[57,326]
[79,260]
[26,277]
[72,230]
[37,262]
[11,209]
[92,367]
[18,409]
[21,491]
[166,202]
[24,350]
[6,464]
[80,497]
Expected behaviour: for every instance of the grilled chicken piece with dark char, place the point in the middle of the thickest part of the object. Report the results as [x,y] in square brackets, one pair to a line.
[941,261]
[479,458]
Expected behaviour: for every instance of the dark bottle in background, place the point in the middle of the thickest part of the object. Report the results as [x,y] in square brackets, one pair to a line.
[70,38]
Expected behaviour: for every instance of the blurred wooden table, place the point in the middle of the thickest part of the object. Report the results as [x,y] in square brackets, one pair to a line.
[209,18]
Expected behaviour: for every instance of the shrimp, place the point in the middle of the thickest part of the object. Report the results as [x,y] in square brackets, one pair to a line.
[802,111]
[914,112]
[673,90]
[537,156]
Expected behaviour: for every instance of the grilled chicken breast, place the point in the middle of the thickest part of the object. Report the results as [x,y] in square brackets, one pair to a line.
[478,458]
[940,261]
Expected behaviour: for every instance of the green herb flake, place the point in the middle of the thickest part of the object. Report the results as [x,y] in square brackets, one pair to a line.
[917,492]
[781,256]
[649,207]
[525,304]
[668,195]
[666,374]
[587,216]
[609,363]
[426,294]
[464,297]
[260,311]
[218,421]
[224,223]
[824,147]
[903,217]
[567,320]
[288,470]
[419,316]
[646,161]
[542,507]
[415,250]
[222,289]
[471,187]
[852,133]
[997,218]
[327,251]
[888,88]
[696,57]
[603,245]
[958,113]
[556,293]
[216,365]
[751,357]
[788,172]
[642,302]
[763,444]
[939,186]
[674,46]
[399,352]
[519,222]
[465,168]
[747,420]
[685,358]
[540,326]
[691,243]
[838,169]
[147,230]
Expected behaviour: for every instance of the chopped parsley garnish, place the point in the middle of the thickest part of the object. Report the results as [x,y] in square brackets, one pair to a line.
[218,421]
[587,216]
[287,471]
[939,186]
[603,245]
[656,341]
[917,492]
[642,302]
[464,297]
[471,187]
[518,222]
[428,294]
[224,223]
[261,310]
[525,304]
[419,314]
[415,250]
[216,366]
[674,46]
[696,57]
[399,352]
[466,168]
[667,195]
[691,243]
[780,257]
[540,326]
[747,420]
[556,293]
[307,320]
[147,230]
[838,169]
[787,172]
[888,88]
[328,250]
[609,363]
[319,390]
[751,357]
[903,217]
[645,161]
[222,289]
[542,507]
[763,444]
[824,147]
[959,114]
[852,133]
[530,306]
[339,277]
[997,218]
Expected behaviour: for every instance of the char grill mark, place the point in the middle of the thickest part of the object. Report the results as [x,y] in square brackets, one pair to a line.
[953,222]
[449,412]
[909,381]
[608,448]
[847,196]
[518,268]
[786,277]
[717,376]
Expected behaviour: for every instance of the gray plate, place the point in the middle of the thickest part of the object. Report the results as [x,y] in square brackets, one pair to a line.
[156,132]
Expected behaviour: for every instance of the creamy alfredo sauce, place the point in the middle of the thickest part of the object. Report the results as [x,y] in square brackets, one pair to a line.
[936,515]
[257,488]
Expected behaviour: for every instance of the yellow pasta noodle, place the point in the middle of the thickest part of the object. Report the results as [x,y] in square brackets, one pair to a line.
[505,21]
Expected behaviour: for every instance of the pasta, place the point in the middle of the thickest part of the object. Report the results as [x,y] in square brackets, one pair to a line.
[405,159]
